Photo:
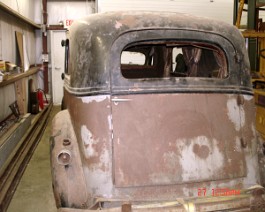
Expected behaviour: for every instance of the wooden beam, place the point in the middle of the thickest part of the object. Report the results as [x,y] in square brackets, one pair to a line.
[21,94]
[253,34]
[13,78]
[239,13]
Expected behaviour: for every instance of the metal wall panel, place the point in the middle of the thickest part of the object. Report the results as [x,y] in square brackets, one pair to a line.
[9,25]
[7,97]
[221,10]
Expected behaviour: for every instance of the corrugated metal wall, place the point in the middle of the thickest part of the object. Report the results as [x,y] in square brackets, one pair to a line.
[8,26]
[218,9]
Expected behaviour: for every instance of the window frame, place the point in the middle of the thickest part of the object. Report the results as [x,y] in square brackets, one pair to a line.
[122,85]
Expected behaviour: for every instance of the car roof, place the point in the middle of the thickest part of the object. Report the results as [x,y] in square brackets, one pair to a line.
[91,40]
[122,21]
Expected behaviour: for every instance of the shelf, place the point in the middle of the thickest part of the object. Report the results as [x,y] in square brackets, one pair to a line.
[14,77]
[258,5]
[253,34]
[18,15]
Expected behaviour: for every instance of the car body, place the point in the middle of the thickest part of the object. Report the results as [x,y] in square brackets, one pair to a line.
[159,116]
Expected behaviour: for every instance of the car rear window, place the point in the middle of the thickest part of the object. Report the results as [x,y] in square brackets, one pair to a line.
[173,59]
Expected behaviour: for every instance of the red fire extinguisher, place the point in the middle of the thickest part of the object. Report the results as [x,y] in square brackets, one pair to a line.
[40,93]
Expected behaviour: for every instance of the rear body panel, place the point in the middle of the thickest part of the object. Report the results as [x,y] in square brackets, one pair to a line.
[162,139]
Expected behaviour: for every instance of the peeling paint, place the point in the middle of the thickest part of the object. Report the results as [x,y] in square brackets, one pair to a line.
[236,114]
[89,99]
[187,192]
[110,122]
[238,146]
[248,97]
[118,25]
[252,167]
[195,167]
[104,157]
[93,177]
[88,142]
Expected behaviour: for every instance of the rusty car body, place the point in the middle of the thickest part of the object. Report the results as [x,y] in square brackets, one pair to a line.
[159,116]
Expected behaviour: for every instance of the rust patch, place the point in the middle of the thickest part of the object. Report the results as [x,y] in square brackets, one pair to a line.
[128,21]
[201,150]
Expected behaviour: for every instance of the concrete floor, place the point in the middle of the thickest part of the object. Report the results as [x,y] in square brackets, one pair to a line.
[34,192]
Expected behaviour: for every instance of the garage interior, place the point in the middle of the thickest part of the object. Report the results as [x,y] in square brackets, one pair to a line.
[32,61]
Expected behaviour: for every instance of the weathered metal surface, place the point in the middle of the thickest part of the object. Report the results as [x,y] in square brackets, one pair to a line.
[91,118]
[203,147]
[96,43]
[178,138]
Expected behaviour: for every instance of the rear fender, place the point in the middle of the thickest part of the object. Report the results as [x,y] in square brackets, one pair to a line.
[68,178]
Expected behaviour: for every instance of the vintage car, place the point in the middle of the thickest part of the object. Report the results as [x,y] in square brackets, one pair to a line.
[159,116]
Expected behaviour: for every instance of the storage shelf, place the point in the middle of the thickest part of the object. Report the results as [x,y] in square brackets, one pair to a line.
[18,15]
[14,77]
[253,34]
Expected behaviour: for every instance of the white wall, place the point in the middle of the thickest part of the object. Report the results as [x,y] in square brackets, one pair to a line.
[218,9]
[9,25]
[61,11]
[24,7]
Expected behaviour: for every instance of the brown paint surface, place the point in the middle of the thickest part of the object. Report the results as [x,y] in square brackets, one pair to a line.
[154,133]
[202,151]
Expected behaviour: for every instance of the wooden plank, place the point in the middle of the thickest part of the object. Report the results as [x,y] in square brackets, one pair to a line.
[253,34]
[239,13]
[15,77]
[21,93]
[19,39]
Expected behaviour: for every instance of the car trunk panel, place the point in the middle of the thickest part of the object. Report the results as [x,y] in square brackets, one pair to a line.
[176,138]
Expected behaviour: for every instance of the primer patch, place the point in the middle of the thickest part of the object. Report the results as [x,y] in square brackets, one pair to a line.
[235,114]
[194,166]
[88,142]
[118,25]
[89,99]
[248,97]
